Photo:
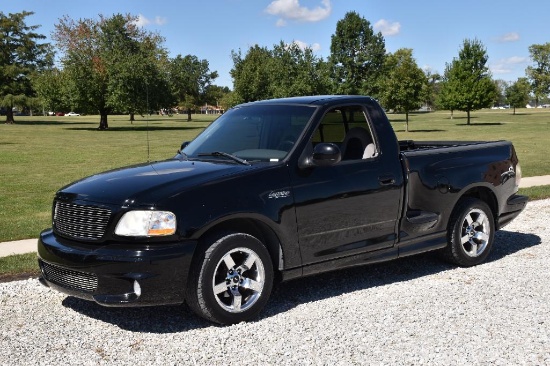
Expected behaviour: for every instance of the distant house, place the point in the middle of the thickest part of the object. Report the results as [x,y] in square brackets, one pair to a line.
[211,109]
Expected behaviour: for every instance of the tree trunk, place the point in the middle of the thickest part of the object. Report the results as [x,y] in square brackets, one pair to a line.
[451,114]
[9,116]
[407,120]
[468,112]
[514,111]
[103,125]
[132,117]
[189,115]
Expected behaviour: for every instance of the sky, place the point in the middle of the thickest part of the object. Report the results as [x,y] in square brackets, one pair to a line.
[211,30]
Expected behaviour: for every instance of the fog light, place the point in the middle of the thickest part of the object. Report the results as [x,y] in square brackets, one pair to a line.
[137,288]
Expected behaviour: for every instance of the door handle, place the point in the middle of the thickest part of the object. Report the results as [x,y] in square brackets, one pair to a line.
[386,180]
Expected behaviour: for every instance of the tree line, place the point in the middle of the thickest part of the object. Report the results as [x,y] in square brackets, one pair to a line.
[110,65]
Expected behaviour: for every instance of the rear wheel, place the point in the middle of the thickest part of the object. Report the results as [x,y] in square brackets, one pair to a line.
[471,233]
[231,280]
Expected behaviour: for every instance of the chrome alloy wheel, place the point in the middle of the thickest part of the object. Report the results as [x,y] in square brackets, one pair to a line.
[476,232]
[238,280]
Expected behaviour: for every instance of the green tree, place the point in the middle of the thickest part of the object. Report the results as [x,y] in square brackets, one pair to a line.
[21,55]
[356,57]
[284,71]
[230,100]
[403,86]
[448,91]
[296,72]
[517,94]
[467,83]
[539,74]
[190,79]
[110,63]
[431,88]
[500,89]
[50,89]
[251,74]
[214,95]
[138,81]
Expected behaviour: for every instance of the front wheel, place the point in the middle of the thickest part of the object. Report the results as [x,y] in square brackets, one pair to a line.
[231,280]
[471,233]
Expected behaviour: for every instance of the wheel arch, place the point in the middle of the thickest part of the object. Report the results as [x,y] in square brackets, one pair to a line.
[254,227]
[484,194]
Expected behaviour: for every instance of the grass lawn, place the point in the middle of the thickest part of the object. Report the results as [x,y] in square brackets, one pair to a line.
[528,129]
[536,193]
[13,266]
[39,155]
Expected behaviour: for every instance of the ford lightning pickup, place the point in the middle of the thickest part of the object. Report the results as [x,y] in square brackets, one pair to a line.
[271,191]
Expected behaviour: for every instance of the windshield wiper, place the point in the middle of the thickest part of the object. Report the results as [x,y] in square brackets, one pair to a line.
[226,155]
[182,155]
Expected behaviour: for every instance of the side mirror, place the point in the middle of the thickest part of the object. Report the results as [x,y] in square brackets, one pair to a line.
[326,154]
[180,152]
[184,144]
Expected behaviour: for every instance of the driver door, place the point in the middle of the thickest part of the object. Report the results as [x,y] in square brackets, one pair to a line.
[344,209]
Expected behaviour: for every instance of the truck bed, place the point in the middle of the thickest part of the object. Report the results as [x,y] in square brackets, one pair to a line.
[411,145]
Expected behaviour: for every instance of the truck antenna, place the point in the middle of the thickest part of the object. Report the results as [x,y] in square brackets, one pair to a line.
[147,120]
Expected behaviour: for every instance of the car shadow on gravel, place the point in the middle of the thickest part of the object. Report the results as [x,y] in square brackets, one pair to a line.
[154,319]
[175,319]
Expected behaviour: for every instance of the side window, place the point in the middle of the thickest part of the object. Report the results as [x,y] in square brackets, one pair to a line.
[347,127]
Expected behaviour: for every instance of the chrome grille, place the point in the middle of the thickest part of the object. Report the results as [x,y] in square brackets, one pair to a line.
[67,278]
[80,222]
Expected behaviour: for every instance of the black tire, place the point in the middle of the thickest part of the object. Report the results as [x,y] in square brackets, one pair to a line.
[470,234]
[231,279]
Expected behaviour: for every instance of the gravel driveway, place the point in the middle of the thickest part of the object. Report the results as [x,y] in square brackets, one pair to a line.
[413,311]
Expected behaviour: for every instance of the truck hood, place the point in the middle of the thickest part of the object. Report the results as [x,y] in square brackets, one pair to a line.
[146,184]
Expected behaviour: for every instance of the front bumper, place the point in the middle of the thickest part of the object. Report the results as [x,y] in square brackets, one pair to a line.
[116,274]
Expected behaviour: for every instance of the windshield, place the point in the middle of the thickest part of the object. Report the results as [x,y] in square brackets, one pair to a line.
[252,133]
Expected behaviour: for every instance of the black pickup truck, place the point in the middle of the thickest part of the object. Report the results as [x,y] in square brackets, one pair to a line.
[271,191]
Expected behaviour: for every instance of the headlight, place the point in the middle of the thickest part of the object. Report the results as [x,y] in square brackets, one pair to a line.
[146,223]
